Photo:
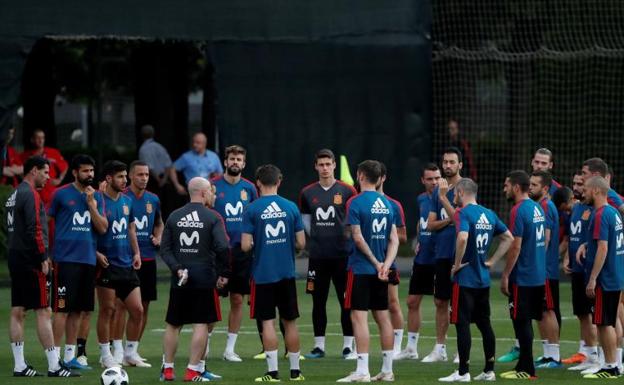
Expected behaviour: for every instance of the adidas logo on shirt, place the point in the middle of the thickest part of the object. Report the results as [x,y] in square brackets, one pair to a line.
[191,220]
[379,207]
[618,222]
[483,223]
[537,215]
[273,211]
[11,201]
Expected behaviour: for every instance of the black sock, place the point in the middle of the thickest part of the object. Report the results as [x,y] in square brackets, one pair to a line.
[82,347]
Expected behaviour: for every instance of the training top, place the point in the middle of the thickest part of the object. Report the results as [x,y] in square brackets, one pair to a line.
[445,237]
[328,211]
[146,210]
[115,244]
[194,238]
[552,251]
[27,228]
[482,225]
[577,233]
[399,218]
[75,237]
[527,221]
[374,214]
[230,203]
[272,221]
[605,224]
[426,245]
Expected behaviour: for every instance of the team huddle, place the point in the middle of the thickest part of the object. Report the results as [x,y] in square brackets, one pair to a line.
[239,239]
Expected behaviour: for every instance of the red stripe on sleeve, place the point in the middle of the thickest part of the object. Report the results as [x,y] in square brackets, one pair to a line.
[598,223]
[38,227]
[513,215]
[217,304]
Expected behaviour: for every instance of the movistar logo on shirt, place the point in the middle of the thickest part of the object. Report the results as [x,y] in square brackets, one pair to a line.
[379,207]
[323,216]
[233,212]
[188,241]
[575,227]
[483,223]
[10,218]
[482,240]
[537,215]
[119,229]
[273,211]
[142,226]
[191,220]
[81,222]
[539,234]
[379,228]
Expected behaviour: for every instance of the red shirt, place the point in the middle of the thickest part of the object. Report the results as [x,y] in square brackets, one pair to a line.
[11,158]
[58,166]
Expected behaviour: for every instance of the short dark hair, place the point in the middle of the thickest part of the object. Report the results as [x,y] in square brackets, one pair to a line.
[137,163]
[371,170]
[453,150]
[80,160]
[324,153]
[268,175]
[519,178]
[578,172]
[35,161]
[384,170]
[112,167]
[561,196]
[236,150]
[545,151]
[430,167]
[597,165]
[545,176]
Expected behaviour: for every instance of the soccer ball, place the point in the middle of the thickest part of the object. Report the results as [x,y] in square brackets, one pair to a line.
[114,376]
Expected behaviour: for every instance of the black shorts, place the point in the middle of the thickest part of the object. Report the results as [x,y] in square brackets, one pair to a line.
[526,302]
[193,306]
[121,279]
[442,282]
[238,285]
[147,280]
[321,271]
[605,307]
[469,305]
[29,289]
[394,277]
[581,303]
[265,297]
[421,282]
[366,292]
[551,295]
[240,278]
[73,287]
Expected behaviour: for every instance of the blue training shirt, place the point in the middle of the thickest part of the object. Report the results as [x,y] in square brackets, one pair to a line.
[399,218]
[74,235]
[445,237]
[552,251]
[273,222]
[230,202]
[605,224]
[374,214]
[482,225]
[146,209]
[577,233]
[114,244]
[426,245]
[527,221]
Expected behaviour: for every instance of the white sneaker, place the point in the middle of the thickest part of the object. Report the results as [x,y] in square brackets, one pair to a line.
[82,360]
[436,356]
[406,354]
[356,377]
[351,356]
[455,377]
[592,369]
[231,357]
[486,376]
[381,376]
[456,359]
[136,361]
[109,362]
[584,365]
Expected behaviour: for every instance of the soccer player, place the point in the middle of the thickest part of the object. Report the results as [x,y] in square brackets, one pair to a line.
[373,230]
[423,270]
[598,167]
[149,227]
[323,208]
[27,231]
[272,227]
[233,194]
[576,234]
[476,228]
[394,306]
[195,247]
[440,222]
[549,326]
[78,213]
[604,253]
[524,275]
[543,160]
[118,258]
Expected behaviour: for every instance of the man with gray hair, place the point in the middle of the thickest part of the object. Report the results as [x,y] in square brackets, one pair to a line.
[195,247]
[156,157]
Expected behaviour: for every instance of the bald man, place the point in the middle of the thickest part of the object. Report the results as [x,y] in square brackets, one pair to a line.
[196,162]
[195,248]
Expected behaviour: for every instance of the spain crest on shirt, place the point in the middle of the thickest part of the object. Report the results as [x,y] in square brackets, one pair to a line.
[126,210]
[148,207]
[338,199]
[244,196]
